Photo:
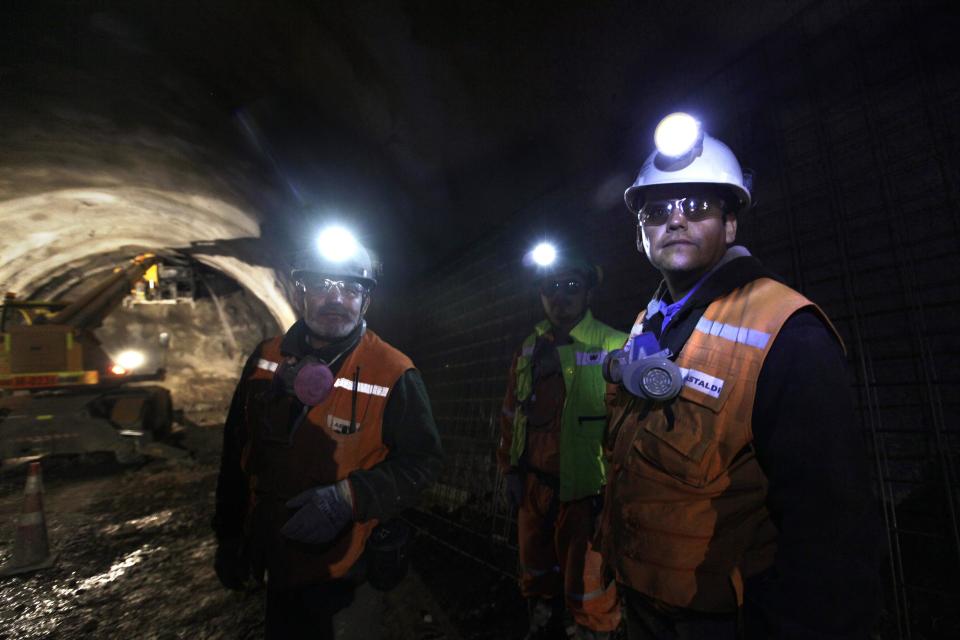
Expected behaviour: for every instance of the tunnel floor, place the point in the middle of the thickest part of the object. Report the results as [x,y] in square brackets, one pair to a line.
[135,554]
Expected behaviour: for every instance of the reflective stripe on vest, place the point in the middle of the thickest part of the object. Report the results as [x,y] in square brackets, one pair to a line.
[740,335]
[267,365]
[590,358]
[362,387]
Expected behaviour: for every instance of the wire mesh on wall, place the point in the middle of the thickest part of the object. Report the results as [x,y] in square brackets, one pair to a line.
[848,114]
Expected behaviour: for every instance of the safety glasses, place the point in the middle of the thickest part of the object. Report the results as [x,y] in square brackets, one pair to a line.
[656,212]
[349,289]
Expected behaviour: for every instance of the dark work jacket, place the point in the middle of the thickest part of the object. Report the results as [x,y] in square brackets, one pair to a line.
[409,432]
[809,442]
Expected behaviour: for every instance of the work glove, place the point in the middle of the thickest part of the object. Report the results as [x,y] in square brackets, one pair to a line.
[323,513]
[514,488]
[231,564]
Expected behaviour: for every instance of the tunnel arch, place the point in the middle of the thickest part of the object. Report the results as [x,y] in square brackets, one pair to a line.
[48,232]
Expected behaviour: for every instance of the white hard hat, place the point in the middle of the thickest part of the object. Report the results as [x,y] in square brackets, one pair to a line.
[708,161]
[359,266]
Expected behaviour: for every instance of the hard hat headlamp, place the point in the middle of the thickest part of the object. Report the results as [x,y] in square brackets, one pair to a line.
[686,154]
[337,244]
[338,256]
[677,134]
[544,254]
[547,260]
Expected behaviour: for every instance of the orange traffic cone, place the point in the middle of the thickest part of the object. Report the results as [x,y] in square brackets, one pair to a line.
[31,551]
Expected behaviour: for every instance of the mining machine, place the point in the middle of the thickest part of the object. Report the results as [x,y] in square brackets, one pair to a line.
[61,394]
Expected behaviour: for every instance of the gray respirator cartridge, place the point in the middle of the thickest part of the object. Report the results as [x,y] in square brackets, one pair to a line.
[644,369]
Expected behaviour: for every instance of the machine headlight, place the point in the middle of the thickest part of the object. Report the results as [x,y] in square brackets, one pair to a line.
[130,360]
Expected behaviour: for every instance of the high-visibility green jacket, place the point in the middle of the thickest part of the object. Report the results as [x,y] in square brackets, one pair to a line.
[582,467]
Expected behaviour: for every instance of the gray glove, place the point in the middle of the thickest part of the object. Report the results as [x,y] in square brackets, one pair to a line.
[323,513]
[514,488]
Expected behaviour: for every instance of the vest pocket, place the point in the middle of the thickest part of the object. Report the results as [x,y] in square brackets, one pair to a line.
[681,438]
[591,427]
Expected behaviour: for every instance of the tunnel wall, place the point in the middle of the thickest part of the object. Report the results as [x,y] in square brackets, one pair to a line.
[96,159]
[848,115]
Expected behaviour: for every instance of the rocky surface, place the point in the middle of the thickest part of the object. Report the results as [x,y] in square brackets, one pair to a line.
[134,546]
[135,552]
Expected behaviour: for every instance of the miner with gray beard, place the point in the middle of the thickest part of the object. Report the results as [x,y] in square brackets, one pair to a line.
[329,435]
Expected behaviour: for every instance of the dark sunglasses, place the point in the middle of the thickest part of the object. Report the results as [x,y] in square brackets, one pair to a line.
[569,287]
[657,212]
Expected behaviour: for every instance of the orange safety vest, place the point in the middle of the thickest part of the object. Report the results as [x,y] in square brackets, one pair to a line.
[321,450]
[686,517]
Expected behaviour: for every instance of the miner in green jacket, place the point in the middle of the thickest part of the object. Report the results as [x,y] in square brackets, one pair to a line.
[551,451]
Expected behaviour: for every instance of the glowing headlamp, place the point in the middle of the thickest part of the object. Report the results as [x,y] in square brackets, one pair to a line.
[677,134]
[336,244]
[544,254]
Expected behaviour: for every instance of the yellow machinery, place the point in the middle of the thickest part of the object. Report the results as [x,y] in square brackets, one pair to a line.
[61,393]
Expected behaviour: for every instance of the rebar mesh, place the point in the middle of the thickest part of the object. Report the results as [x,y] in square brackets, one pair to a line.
[849,114]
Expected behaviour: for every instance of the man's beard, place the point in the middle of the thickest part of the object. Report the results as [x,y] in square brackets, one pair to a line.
[331,322]
[332,331]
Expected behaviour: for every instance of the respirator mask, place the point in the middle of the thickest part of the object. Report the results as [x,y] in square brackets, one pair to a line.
[644,369]
[308,378]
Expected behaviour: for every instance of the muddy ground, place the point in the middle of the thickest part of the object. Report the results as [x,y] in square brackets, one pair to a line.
[134,560]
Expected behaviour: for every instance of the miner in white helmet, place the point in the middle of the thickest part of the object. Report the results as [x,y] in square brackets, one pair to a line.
[739,500]
[330,432]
